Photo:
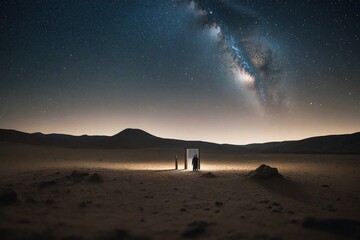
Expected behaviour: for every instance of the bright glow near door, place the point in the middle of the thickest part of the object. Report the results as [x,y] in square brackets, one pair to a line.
[190,153]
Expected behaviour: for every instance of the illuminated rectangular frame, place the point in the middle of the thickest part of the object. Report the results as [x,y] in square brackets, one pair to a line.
[186,157]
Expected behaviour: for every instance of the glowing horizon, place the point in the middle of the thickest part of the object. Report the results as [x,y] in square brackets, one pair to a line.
[216,71]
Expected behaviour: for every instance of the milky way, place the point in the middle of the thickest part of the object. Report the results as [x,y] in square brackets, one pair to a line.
[227,71]
[251,62]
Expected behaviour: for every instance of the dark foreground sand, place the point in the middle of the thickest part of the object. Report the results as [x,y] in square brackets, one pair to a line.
[318,198]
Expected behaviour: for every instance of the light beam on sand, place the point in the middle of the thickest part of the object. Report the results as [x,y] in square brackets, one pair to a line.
[162,166]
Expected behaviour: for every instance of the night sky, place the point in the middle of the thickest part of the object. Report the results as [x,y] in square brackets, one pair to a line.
[222,71]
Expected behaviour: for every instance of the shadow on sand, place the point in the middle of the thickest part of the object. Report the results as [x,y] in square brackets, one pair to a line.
[284,187]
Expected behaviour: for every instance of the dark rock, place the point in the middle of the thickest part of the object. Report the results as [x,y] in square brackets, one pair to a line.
[208,175]
[219,204]
[121,234]
[97,178]
[83,205]
[49,202]
[45,184]
[30,200]
[264,171]
[325,186]
[195,229]
[346,227]
[8,196]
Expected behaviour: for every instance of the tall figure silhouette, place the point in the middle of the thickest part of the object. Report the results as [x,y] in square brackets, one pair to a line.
[195,161]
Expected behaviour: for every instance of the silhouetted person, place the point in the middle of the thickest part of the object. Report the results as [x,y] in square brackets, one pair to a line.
[195,161]
[176,162]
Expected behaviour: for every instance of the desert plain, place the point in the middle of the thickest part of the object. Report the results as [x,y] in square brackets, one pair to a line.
[68,193]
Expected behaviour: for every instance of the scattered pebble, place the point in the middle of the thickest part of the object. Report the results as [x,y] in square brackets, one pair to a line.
[208,175]
[46,184]
[77,174]
[83,205]
[219,204]
[96,177]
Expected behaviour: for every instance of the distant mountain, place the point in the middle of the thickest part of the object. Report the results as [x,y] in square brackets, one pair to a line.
[346,143]
[126,139]
[60,140]
[137,138]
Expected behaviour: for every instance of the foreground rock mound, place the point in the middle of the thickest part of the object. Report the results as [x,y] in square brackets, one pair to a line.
[264,171]
[208,175]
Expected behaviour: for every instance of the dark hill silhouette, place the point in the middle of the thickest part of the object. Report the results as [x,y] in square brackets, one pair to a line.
[345,143]
[58,140]
[136,138]
[128,138]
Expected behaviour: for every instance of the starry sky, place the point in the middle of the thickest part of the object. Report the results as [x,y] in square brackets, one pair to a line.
[225,71]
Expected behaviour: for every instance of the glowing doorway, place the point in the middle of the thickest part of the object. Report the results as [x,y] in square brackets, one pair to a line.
[189,154]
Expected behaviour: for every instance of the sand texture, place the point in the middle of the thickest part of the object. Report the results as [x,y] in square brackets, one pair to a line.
[54,193]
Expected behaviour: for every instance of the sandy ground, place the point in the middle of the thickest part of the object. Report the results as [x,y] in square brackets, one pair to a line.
[138,195]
